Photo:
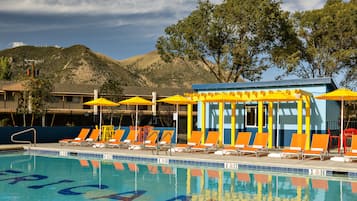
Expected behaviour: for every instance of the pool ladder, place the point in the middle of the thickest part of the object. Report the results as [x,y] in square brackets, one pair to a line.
[25,141]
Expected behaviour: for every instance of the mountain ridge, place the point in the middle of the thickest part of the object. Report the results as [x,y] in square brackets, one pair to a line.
[80,65]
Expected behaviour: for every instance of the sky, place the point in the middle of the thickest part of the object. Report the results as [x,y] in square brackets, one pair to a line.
[116,28]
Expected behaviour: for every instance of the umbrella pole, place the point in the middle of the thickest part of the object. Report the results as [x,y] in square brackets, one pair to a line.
[136,122]
[100,122]
[341,126]
[177,119]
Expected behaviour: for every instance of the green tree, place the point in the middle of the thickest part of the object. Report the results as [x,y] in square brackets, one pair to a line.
[38,92]
[329,42]
[235,39]
[5,73]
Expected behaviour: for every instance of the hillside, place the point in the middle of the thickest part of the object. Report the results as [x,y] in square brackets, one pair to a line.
[78,64]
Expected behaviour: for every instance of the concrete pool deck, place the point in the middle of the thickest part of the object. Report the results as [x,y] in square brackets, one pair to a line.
[309,163]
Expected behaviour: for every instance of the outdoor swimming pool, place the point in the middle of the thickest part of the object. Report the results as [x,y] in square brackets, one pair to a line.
[33,177]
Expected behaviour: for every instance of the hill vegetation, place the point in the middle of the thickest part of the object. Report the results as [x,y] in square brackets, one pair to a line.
[79,65]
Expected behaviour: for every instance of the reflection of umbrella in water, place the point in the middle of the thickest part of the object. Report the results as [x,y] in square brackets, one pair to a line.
[136,101]
[177,100]
[100,102]
[342,95]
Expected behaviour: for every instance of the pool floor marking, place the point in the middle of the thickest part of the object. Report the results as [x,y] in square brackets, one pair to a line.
[34,177]
[50,184]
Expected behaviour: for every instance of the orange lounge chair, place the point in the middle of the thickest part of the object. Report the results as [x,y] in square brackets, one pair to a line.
[297,146]
[352,154]
[93,137]
[195,140]
[150,139]
[118,134]
[81,136]
[259,145]
[164,144]
[242,141]
[319,146]
[128,140]
[210,143]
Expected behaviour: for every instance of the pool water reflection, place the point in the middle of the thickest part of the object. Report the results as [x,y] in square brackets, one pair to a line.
[26,177]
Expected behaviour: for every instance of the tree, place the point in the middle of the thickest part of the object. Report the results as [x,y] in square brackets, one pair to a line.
[112,88]
[329,42]
[5,73]
[235,39]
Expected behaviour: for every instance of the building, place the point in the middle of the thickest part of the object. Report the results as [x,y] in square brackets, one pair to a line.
[295,111]
[67,107]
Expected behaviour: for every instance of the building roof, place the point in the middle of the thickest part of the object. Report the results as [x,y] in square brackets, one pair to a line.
[265,84]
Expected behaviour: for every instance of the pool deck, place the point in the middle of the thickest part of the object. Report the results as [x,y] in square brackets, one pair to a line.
[309,163]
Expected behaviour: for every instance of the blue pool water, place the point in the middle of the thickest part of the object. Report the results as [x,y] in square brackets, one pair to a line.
[37,178]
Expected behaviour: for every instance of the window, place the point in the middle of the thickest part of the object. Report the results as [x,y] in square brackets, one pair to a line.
[251,116]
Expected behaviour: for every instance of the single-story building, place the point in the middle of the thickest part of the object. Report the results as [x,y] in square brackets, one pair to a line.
[280,108]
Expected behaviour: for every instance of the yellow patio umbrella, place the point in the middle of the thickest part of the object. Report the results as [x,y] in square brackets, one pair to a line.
[101,102]
[342,95]
[177,100]
[136,101]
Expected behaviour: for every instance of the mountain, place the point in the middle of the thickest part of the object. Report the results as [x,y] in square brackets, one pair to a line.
[80,65]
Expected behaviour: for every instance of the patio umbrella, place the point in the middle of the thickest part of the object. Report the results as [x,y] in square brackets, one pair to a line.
[136,101]
[177,100]
[101,102]
[342,95]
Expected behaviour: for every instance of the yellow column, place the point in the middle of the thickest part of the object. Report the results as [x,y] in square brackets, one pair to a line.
[220,123]
[299,117]
[260,116]
[189,119]
[307,122]
[233,123]
[203,121]
[270,124]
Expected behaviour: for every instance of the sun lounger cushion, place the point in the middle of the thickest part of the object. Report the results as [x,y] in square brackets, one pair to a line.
[295,148]
[354,151]
[191,143]
[147,141]
[89,140]
[208,144]
[162,143]
[317,149]
[127,141]
[239,145]
[112,140]
[257,146]
[77,138]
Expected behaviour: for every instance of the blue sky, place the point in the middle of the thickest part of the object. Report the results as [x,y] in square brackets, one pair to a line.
[117,28]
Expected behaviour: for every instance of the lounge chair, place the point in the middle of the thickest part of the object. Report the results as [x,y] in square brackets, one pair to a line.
[319,146]
[297,146]
[352,154]
[81,136]
[93,137]
[210,143]
[150,139]
[126,143]
[195,140]
[163,145]
[242,141]
[118,134]
[259,145]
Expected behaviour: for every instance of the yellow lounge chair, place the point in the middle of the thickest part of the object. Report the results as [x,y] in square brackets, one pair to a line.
[319,146]
[195,140]
[297,146]
[93,137]
[242,141]
[352,154]
[210,143]
[81,136]
[259,145]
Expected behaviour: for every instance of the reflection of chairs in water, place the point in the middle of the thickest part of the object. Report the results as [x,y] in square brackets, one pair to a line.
[299,181]
[118,165]
[354,187]
[261,178]
[319,184]
[243,177]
